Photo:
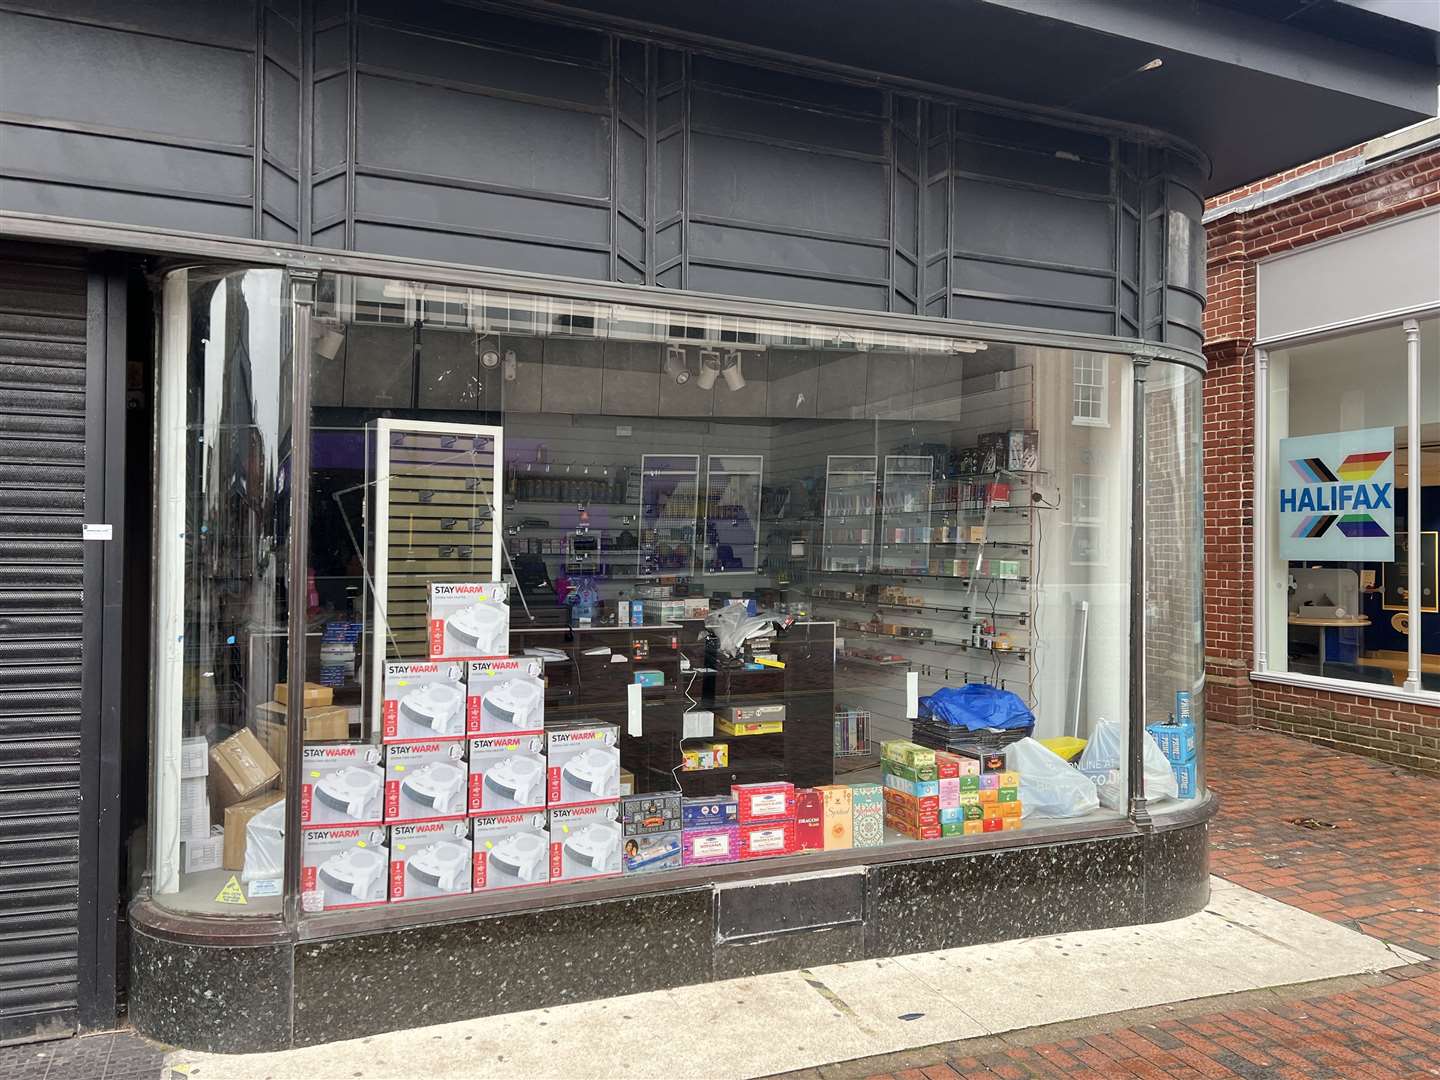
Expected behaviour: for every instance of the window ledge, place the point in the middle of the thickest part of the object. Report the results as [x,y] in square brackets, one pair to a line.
[1427,698]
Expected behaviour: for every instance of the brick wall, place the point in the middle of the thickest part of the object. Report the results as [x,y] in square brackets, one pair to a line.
[1397,732]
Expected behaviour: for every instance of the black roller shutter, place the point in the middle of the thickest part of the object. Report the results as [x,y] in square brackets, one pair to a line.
[43,306]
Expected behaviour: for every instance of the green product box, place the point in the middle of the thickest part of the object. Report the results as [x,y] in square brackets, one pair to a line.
[916,774]
[952,828]
[1009,794]
[969,783]
[912,755]
[973,812]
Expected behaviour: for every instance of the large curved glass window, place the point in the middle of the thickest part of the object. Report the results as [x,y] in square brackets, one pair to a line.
[222,521]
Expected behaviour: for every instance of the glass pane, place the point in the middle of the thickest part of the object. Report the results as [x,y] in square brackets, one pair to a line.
[1337,508]
[223,520]
[892,512]
[1175,580]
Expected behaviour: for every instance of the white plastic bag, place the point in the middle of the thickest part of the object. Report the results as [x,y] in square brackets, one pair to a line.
[1049,785]
[1104,761]
[265,844]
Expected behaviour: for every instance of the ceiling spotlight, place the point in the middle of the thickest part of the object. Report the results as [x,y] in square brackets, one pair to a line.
[730,369]
[676,365]
[710,365]
[512,365]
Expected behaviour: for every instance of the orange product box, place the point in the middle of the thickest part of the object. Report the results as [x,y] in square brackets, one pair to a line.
[909,804]
[838,821]
[915,832]
[974,828]
[1009,809]
[1010,823]
[989,796]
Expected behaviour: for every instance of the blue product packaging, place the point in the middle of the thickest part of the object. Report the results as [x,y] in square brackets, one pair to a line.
[1185,779]
[713,811]
[657,851]
[1183,713]
[949,815]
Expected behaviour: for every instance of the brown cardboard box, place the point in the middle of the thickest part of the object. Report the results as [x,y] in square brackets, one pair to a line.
[236,818]
[315,694]
[240,767]
[326,723]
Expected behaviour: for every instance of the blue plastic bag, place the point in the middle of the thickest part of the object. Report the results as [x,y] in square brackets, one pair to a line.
[975,706]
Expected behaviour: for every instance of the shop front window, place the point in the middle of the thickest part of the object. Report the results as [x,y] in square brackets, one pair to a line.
[616,591]
[1339,602]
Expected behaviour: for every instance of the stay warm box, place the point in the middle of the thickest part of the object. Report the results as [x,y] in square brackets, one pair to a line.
[426,781]
[422,701]
[510,850]
[341,784]
[583,763]
[469,619]
[429,859]
[506,696]
[343,867]
[585,841]
[507,774]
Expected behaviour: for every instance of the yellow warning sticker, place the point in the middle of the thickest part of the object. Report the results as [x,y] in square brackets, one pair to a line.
[231,893]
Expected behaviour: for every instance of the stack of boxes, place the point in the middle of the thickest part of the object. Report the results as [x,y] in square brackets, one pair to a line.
[1177,742]
[932,793]
[583,795]
[652,829]
[765,814]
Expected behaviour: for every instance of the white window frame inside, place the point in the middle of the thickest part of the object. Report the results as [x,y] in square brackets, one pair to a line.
[1265,588]
[1094,368]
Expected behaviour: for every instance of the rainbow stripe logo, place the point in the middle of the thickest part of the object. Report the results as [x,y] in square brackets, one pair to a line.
[1336,496]
[1352,493]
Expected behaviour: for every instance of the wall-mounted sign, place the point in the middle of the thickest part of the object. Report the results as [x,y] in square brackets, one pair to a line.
[1337,496]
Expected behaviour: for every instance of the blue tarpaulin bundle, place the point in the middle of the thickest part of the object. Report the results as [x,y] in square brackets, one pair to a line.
[975,706]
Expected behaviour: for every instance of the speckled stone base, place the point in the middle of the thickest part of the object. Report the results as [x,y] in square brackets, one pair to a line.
[227,998]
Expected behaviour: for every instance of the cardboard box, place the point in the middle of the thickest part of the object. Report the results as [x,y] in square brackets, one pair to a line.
[430,859]
[426,781]
[510,850]
[709,811]
[710,845]
[197,856]
[761,840]
[506,696]
[908,808]
[315,694]
[768,802]
[1008,823]
[653,851]
[947,766]
[194,757]
[423,701]
[839,821]
[194,808]
[240,767]
[507,774]
[867,804]
[706,756]
[583,763]
[341,784]
[949,792]
[1011,809]
[916,789]
[324,723]
[752,714]
[652,812]
[1023,451]
[910,755]
[1186,779]
[994,449]
[990,782]
[925,774]
[753,727]
[237,827]
[345,866]
[585,841]
[913,831]
[469,619]
[809,820]
[627,782]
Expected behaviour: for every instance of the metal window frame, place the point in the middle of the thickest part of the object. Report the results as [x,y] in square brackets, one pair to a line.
[1409,322]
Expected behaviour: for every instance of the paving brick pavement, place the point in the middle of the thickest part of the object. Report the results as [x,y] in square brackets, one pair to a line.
[1347,838]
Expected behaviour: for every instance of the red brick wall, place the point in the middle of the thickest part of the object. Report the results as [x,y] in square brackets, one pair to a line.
[1396,732]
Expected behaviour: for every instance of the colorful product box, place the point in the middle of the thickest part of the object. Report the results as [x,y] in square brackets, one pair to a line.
[761,840]
[868,806]
[706,756]
[341,784]
[916,789]
[1008,794]
[922,773]
[430,859]
[839,816]
[989,781]
[753,714]
[969,783]
[507,774]
[915,832]
[709,845]
[737,729]
[585,841]
[505,696]
[923,810]
[426,782]
[709,811]
[764,803]
[652,851]
[983,761]
[909,754]
[654,812]
[510,850]
[424,701]
[949,766]
[1010,809]
[1176,741]
[346,866]
[1184,713]
[583,762]
[469,619]
[992,825]
[1186,779]
[949,792]
[809,820]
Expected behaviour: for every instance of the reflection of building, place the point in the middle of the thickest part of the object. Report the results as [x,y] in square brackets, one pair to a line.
[822,231]
[1324,322]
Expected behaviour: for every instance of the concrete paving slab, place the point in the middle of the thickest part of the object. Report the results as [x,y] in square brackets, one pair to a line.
[797,1020]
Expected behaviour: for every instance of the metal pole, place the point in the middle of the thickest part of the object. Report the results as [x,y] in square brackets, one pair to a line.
[1413,532]
[1139,814]
[1259,512]
[302,304]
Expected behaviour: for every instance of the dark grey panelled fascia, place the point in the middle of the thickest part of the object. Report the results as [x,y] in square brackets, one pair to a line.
[43,376]
[450,131]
